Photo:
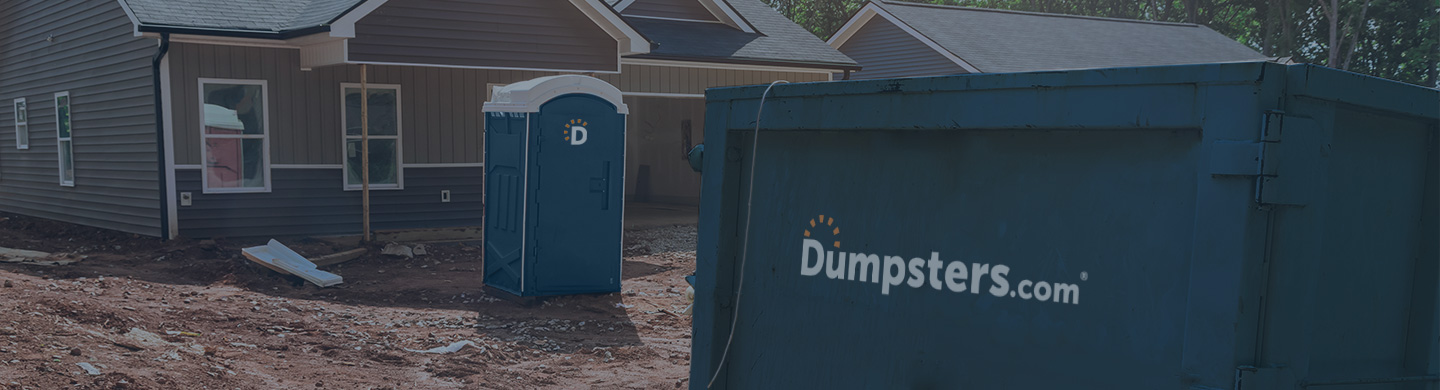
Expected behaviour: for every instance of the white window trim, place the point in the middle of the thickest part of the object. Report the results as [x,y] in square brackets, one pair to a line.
[60,152]
[18,123]
[398,137]
[264,136]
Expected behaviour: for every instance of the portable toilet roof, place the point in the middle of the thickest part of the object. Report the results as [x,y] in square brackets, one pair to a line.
[529,95]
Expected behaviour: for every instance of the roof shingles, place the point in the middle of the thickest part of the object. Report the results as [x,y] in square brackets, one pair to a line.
[778,40]
[243,15]
[1010,41]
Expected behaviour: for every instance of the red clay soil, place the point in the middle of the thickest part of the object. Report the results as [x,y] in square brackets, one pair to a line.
[148,314]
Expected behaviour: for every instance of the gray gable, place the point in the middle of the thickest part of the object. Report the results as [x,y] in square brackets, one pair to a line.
[1012,41]
[260,16]
[778,40]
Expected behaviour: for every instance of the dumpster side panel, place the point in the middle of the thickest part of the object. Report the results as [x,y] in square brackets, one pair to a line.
[715,246]
[1424,338]
[1114,209]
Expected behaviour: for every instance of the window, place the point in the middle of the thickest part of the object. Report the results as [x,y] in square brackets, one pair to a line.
[62,134]
[236,152]
[385,157]
[22,125]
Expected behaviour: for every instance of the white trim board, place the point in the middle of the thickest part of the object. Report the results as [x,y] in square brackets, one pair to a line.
[631,41]
[869,12]
[134,22]
[720,9]
[719,65]
[348,61]
[344,26]
[675,19]
[292,43]
[172,203]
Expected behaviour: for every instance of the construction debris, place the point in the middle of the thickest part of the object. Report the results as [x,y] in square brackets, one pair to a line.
[21,256]
[394,249]
[452,348]
[89,368]
[278,257]
[337,258]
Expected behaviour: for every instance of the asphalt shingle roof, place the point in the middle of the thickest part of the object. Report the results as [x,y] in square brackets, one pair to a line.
[778,40]
[1013,41]
[263,16]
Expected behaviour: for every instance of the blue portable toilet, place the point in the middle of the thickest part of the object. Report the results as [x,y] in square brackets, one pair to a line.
[554,186]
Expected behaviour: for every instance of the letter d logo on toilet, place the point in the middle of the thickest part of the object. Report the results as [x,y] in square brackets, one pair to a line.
[575,132]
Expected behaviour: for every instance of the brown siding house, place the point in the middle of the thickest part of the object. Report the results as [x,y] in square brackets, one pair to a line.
[246,121]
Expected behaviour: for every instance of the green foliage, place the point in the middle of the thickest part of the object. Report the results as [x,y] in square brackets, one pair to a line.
[1395,39]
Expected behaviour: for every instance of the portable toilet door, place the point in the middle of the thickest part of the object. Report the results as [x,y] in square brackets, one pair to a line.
[554,186]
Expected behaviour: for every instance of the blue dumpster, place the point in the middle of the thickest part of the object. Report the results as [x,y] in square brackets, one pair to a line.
[1225,226]
[554,195]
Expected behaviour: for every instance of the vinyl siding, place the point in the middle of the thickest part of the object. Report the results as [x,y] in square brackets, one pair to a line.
[535,34]
[665,79]
[655,137]
[675,9]
[441,122]
[885,51]
[310,202]
[93,55]
[440,115]
[436,126]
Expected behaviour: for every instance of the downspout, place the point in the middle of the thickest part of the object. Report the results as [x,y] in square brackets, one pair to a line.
[160,137]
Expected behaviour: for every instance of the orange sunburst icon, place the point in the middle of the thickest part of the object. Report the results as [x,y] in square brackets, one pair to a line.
[829,223]
[574,122]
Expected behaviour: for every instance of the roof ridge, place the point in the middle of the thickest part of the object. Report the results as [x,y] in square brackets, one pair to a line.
[883,3]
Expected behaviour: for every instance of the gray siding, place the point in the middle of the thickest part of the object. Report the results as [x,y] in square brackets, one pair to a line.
[311,202]
[655,137]
[534,34]
[677,9]
[884,51]
[664,79]
[106,70]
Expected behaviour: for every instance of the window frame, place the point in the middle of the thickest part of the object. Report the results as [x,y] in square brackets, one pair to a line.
[19,106]
[61,142]
[399,136]
[264,136]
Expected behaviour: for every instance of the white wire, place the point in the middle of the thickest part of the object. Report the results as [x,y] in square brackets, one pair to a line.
[745,246]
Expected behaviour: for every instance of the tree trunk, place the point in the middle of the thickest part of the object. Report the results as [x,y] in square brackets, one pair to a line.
[1357,30]
[1331,12]
[1287,31]
[1267,28]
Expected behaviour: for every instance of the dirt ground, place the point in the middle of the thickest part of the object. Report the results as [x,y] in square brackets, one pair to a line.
[146,314]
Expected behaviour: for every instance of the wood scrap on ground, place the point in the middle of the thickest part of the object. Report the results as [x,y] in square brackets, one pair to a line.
[21,256]
[278,257]
[337,258]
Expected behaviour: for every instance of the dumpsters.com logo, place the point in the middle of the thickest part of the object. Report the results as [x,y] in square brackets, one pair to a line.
[895,271]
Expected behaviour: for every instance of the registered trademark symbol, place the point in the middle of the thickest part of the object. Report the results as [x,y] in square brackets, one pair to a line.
[1084,275]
